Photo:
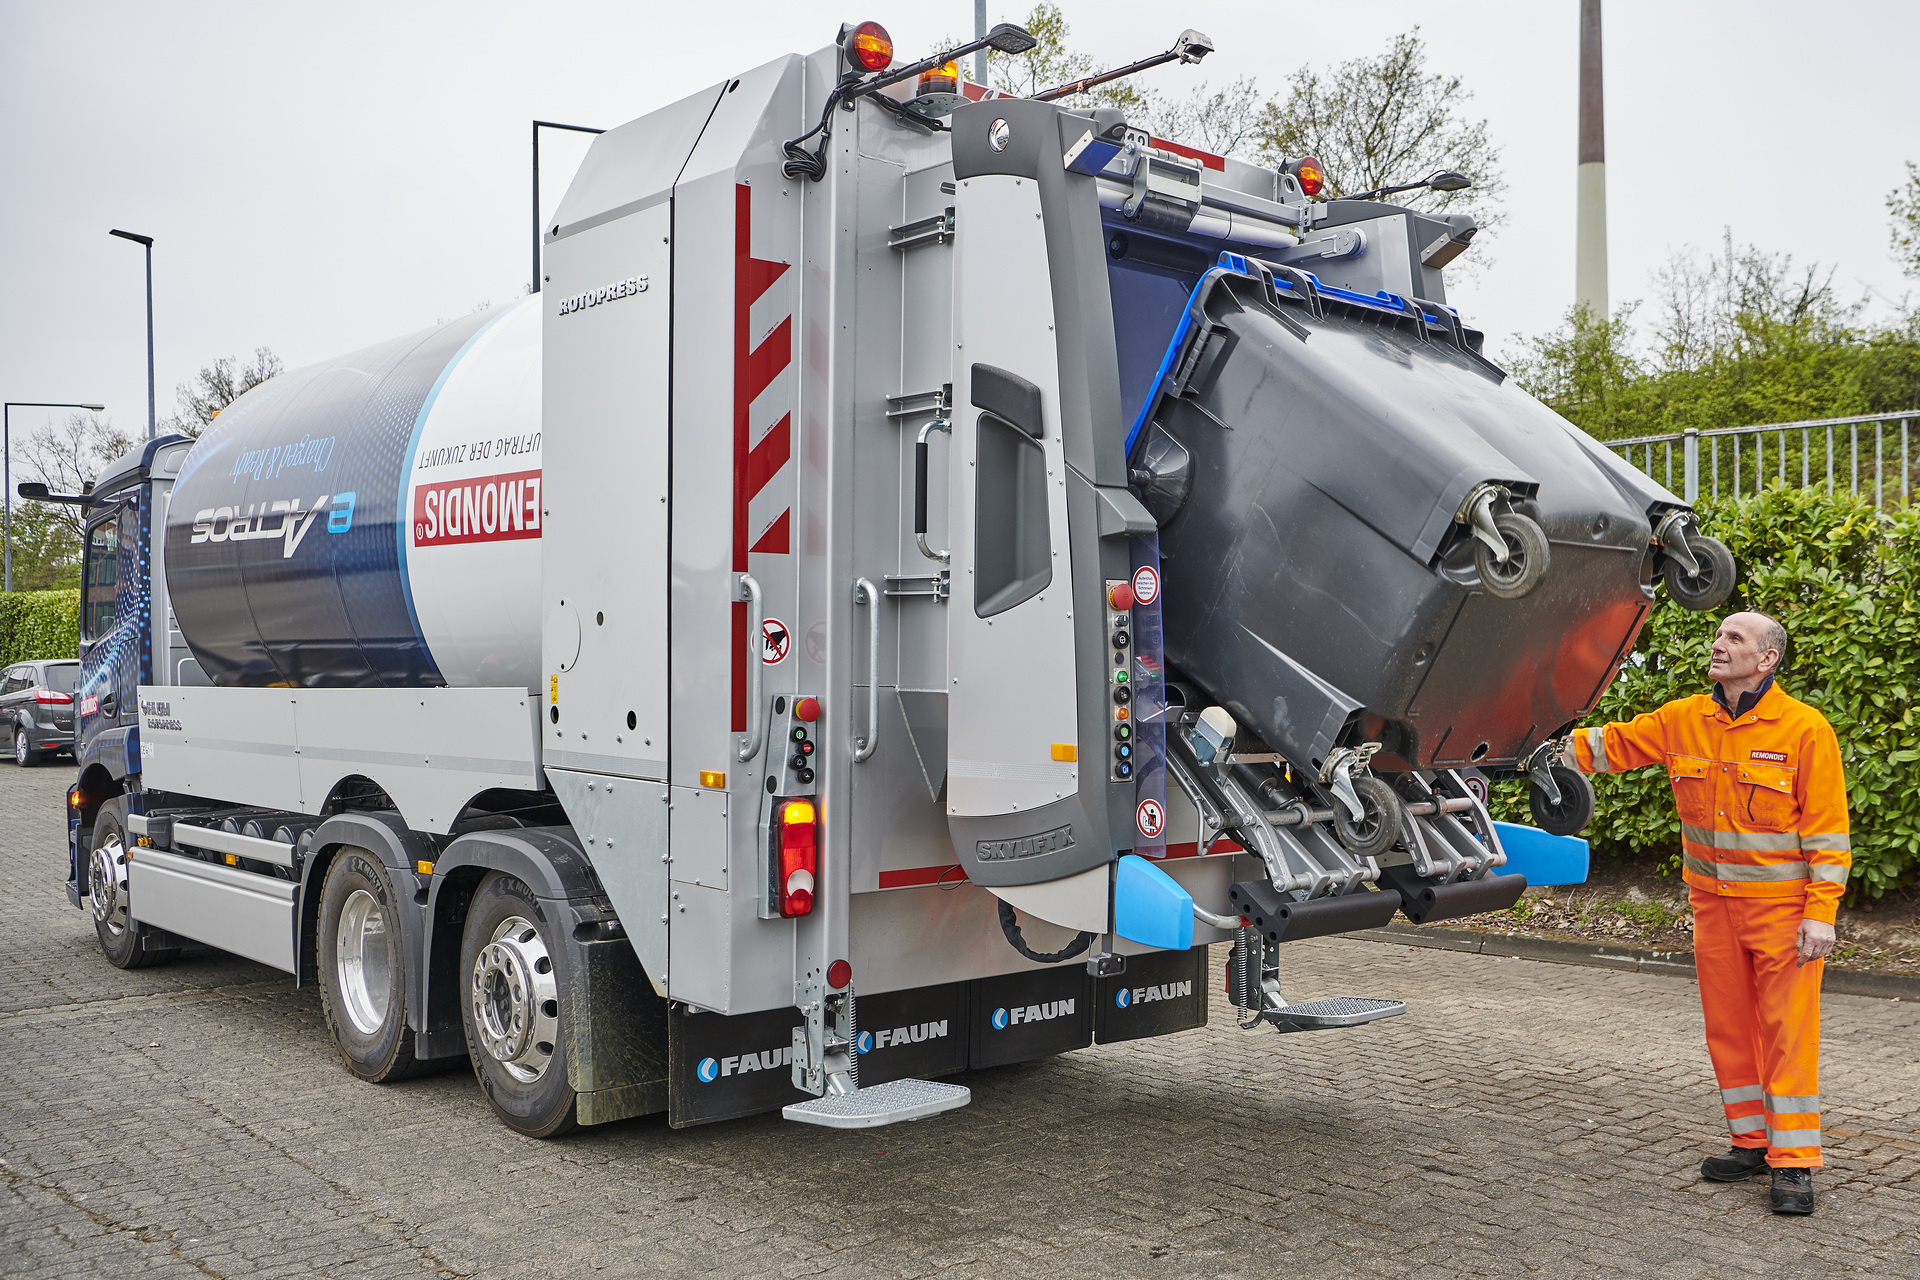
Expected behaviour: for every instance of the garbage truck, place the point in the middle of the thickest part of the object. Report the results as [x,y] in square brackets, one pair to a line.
[923,566]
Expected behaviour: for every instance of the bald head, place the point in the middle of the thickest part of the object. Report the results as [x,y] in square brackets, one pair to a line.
[1746,650]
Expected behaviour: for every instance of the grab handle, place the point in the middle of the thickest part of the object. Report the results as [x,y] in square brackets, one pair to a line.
[747,589]
[920,489]
[866,593]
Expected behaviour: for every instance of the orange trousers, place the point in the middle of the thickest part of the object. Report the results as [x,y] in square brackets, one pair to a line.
[1763,1022]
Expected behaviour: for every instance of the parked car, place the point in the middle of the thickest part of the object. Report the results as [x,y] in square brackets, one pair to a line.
[36,708]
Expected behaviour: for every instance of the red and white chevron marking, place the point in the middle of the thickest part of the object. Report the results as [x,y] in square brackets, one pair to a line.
[763,399]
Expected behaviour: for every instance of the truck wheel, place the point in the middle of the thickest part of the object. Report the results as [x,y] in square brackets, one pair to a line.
[1379,824]
[1710,589]
[1528,557]
[1575,810]
[512,1009]
[107,893]
[23,753]
[363,969]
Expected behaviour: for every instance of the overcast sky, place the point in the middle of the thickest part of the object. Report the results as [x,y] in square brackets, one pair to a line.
[319,177]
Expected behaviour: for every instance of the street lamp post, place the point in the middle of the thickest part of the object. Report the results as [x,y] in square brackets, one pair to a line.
[6,464]
[147,242]
[538,125]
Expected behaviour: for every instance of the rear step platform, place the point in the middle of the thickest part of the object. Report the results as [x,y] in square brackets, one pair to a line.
[882,1104]
[1334,1011]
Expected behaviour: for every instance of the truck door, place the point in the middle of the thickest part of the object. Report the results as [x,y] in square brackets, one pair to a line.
[113,635]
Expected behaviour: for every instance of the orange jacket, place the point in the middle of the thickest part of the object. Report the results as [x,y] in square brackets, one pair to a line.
[1763,801]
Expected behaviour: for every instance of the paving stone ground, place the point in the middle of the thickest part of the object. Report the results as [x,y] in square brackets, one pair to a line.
[1522,1119]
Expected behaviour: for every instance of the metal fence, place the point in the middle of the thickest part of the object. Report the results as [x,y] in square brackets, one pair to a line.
[1855,453]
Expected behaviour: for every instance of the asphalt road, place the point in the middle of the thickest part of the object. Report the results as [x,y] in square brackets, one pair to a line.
[1522,1119]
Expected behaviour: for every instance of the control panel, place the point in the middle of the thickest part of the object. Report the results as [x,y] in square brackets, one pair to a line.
[1119,682]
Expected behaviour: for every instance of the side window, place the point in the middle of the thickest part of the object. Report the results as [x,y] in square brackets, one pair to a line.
[100,578]
[14,683]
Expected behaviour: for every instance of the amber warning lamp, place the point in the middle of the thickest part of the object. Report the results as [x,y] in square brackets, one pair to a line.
[1312,178]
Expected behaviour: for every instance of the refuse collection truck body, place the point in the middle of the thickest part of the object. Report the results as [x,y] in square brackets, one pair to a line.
[850,626]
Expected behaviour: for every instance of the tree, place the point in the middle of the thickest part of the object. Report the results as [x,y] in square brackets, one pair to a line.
[1903,202]
[215,387]
[1050,63]
[46,551]
[68,457]
[1373,122]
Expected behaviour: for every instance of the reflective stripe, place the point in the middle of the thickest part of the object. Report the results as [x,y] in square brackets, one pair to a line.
[1743,841]
[1792,1105]
[1828,871]
[1746,1124]
[1745,1093]
[1744,870]
[1794,1137]
[1597,739]
[1841,843]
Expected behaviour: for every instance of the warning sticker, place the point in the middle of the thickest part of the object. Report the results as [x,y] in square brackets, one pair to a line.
[1146,585]
[1150,818]
[776,642]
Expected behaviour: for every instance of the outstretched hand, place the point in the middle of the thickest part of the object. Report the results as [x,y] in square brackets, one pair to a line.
[1816,940]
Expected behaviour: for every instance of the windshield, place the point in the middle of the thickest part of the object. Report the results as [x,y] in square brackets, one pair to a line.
[63,677]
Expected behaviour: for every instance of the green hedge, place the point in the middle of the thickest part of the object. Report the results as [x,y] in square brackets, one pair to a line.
[1845,580]
[39,624]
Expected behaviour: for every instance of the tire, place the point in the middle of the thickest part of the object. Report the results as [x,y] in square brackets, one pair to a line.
[1714,583]
[1528,557]
[1379,825]
[363,969]
[1575,810]
[510,1006]
[23,753]
[107,893]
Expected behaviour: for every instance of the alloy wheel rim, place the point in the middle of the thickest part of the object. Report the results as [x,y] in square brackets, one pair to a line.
[515,999]
[361,964]
[106,884]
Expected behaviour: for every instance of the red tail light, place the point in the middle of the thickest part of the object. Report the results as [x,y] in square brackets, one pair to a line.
[798,856]
[53,696]
[871,46]
[1311,174]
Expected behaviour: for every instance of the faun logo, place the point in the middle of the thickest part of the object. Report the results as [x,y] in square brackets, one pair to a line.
[711,1069]
[605,293]
[1025,846]
[1127,997]
[1014,1015]
[897,1036]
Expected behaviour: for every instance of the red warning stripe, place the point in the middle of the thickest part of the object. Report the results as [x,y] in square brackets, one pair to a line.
[754,369]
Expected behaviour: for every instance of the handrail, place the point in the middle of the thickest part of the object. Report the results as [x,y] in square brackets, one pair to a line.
[1845,459]
[755,737]
[863,746]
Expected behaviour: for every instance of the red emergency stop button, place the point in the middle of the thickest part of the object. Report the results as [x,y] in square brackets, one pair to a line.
[807,709]
[1121,596]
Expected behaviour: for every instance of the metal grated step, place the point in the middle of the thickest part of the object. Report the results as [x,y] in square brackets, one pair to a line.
[879,1104]
[1336,1011]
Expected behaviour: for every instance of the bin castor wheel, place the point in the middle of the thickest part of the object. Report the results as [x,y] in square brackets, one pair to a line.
[1528,557]
[1708,589]
[1575,810]
[1378,826]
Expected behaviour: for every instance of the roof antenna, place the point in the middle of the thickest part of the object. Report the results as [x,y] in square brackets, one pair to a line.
[1190,47]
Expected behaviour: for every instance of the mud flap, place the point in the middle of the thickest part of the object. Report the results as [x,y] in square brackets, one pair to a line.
[1160,993]
[1022,1016]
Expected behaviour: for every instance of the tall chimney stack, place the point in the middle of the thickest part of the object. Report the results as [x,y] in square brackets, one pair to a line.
[1590,252]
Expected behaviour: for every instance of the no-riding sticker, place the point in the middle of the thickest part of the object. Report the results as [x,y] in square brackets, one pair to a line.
[776,642]
[1146,585]
[1150,818]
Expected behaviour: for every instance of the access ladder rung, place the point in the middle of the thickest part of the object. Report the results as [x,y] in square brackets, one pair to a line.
[880,1104]
[1336,1011]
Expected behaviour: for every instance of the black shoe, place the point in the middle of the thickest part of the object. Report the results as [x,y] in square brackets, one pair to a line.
[1737,1165]
[1792,1191]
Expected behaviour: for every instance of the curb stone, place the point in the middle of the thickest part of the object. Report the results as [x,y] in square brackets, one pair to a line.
[1601,955]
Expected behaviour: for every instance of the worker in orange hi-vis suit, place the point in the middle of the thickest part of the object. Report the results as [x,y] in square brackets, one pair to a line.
[1762,798]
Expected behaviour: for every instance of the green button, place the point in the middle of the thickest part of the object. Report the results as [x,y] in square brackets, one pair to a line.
[1119,677]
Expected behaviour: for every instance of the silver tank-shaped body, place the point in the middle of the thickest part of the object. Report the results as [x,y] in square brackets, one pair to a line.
[1308,452]
[371,521]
